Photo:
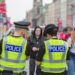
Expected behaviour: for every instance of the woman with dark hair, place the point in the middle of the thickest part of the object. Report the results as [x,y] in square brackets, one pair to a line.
[35,41]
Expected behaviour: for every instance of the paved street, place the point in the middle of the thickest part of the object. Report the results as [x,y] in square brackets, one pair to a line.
[27,67]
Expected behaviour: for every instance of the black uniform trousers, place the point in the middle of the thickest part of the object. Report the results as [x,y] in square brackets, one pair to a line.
[11,73]
[45,73]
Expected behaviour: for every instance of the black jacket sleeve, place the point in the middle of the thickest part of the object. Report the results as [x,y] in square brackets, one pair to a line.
[68,54]
[41,52]
[1,47]
[27,49]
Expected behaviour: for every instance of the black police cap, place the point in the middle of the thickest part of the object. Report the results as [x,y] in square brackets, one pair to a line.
[22,24]
[51,28]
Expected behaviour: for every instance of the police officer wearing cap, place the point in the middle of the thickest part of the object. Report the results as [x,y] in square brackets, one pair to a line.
[13,51]
[53,54]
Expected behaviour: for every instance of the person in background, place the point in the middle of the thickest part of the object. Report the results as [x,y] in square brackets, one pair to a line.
[71,63]
[65,34]
[66,31]
[53,54]
[12,51]
[61,35]
[35,41]
[70,36]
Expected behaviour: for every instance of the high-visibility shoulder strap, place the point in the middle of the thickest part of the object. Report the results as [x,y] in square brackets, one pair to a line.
[23,44]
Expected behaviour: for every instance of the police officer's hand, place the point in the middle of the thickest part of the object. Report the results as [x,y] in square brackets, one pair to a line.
[35,49]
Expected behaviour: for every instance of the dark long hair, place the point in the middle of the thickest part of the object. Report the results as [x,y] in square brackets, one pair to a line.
[35,30]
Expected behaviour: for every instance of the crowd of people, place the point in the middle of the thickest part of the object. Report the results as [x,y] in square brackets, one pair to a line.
[49,52]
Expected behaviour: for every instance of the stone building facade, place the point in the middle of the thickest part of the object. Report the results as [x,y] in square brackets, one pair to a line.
[59,12]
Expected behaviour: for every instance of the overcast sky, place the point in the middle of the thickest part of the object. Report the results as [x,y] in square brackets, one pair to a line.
[16,9]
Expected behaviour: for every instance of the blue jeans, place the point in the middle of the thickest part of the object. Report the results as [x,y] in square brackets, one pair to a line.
[71,65]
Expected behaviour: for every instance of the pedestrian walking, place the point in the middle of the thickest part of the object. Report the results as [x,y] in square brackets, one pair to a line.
[53,54]
[12,51]
[35,40]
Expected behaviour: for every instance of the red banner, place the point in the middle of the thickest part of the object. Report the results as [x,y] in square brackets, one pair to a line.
[2,8]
